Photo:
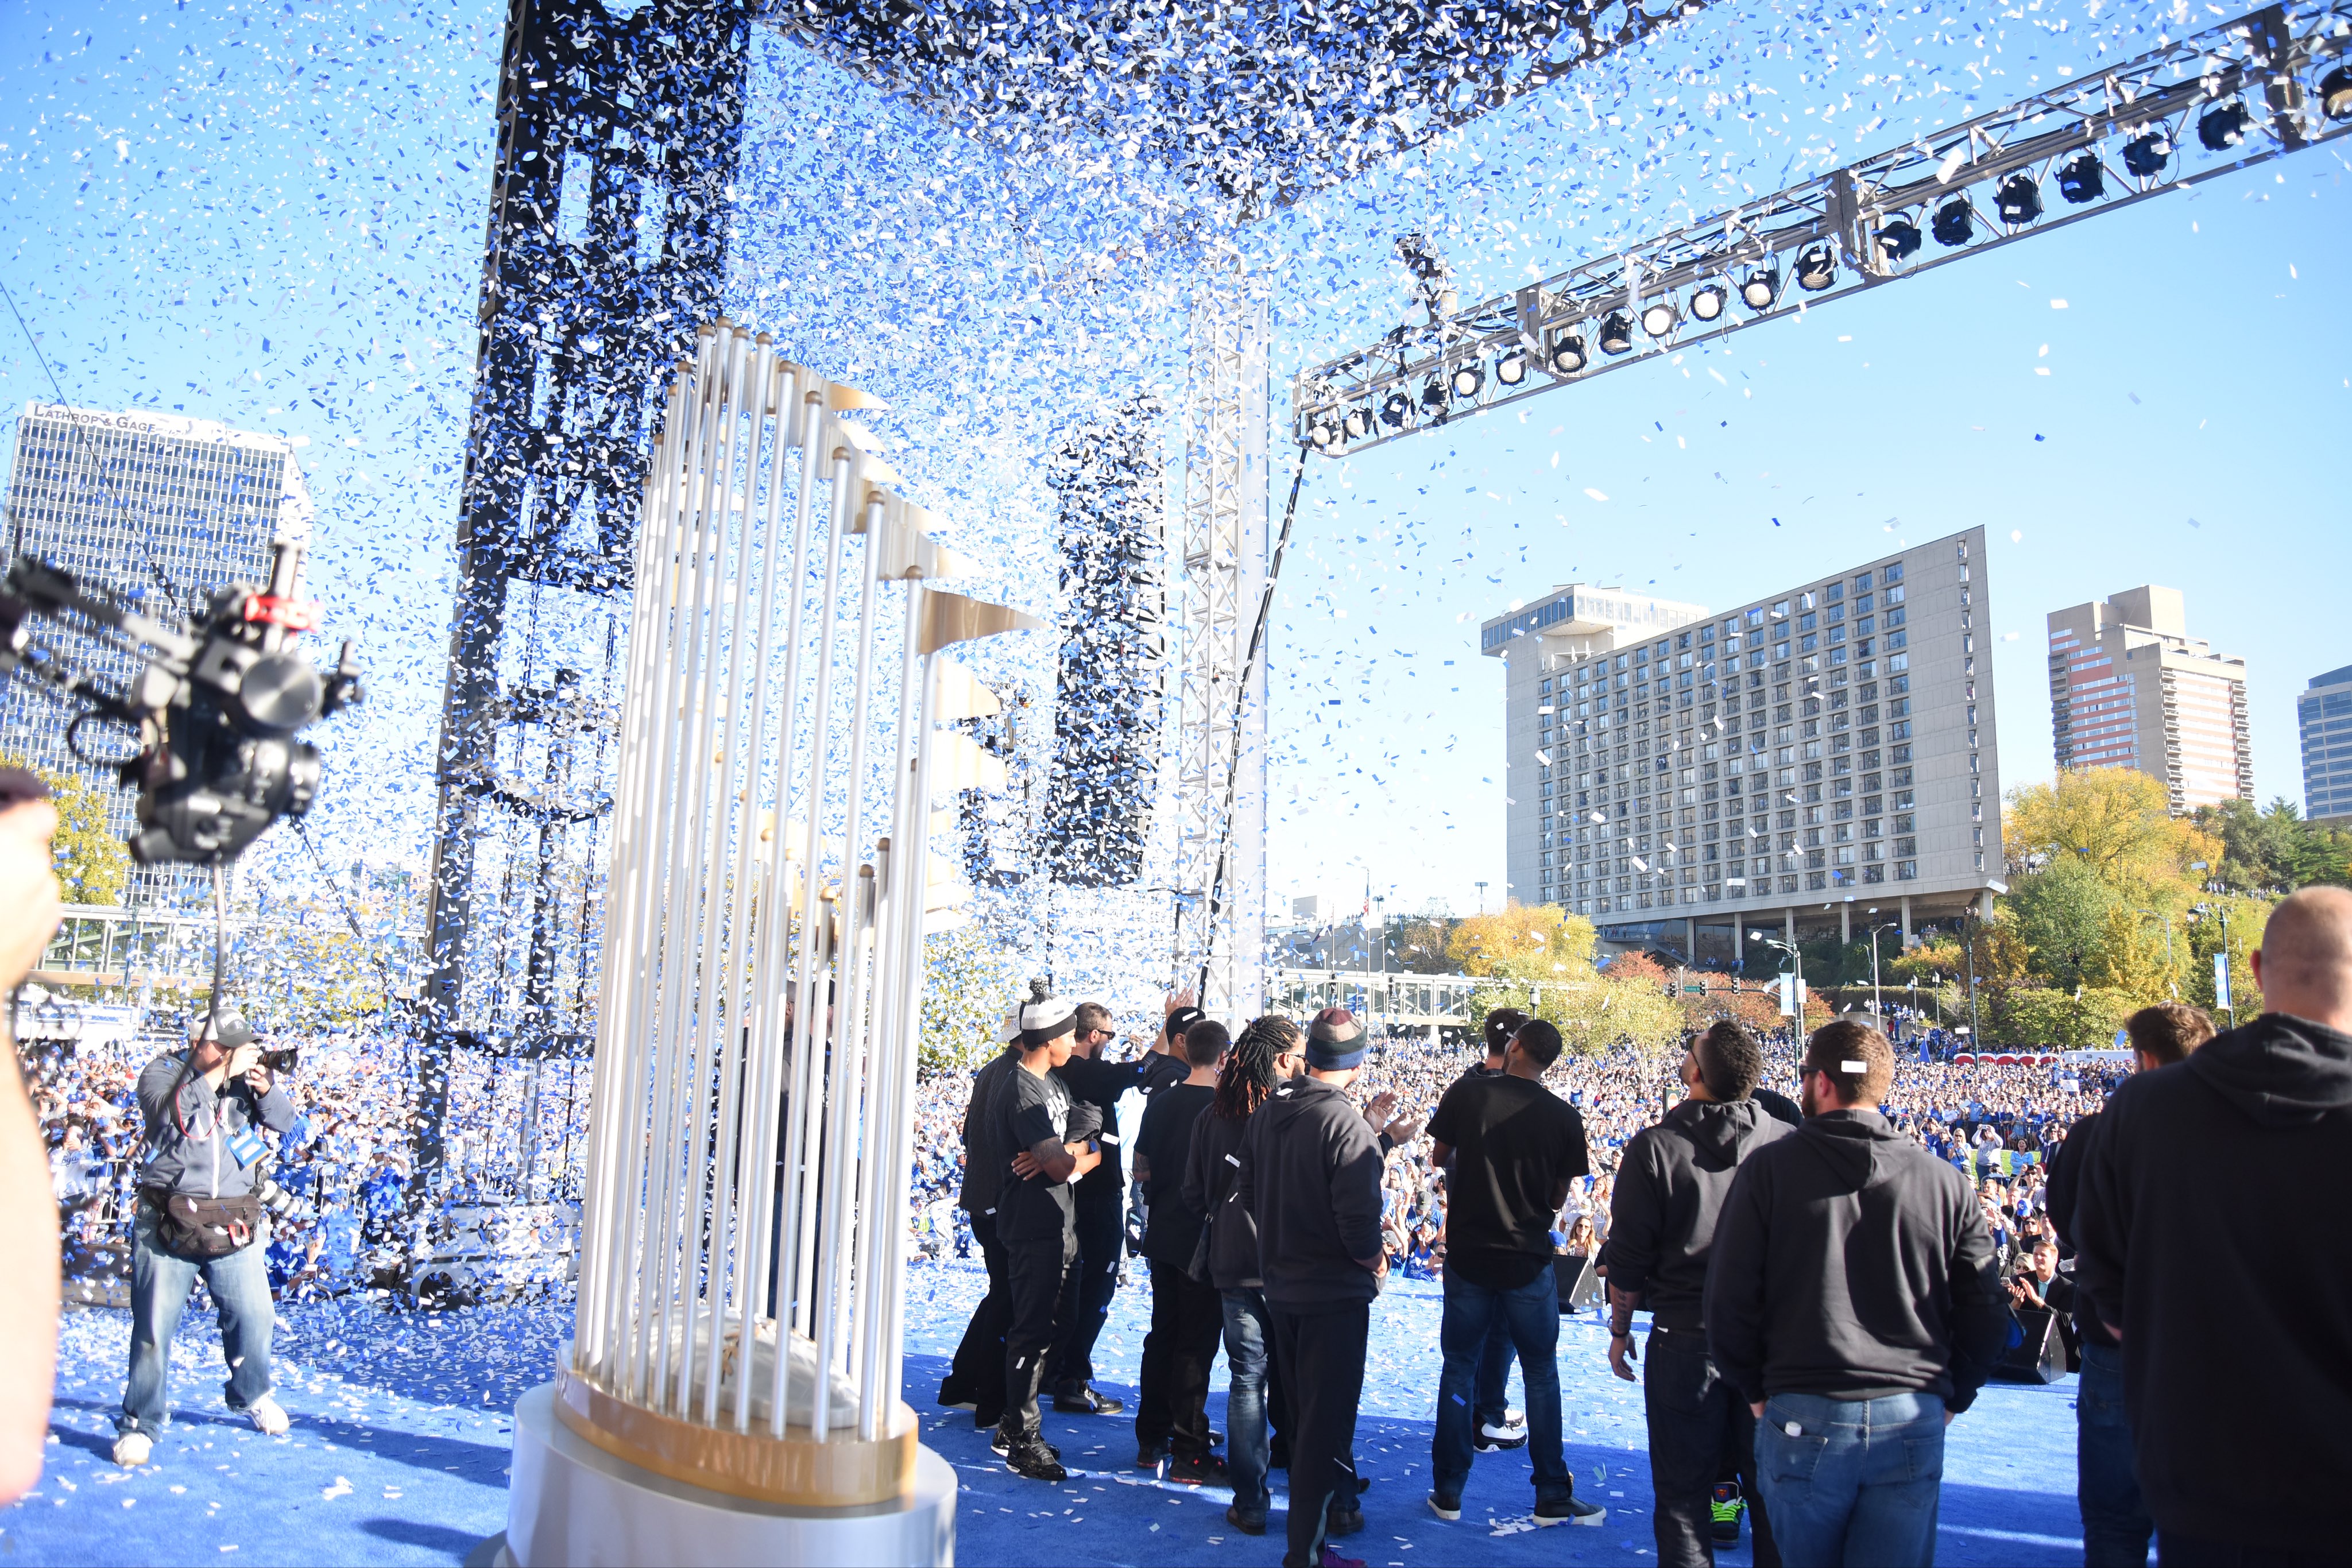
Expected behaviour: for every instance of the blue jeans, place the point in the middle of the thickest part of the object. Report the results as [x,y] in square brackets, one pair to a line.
[160,1284]
[1492,1403]
[1246,1330]
[1856,1481]
[2115,1525]
[1530,1314]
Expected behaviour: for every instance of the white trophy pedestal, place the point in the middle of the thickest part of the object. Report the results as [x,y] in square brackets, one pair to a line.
[573,1505]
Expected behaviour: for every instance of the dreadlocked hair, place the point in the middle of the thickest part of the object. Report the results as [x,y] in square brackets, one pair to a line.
[1249,1075]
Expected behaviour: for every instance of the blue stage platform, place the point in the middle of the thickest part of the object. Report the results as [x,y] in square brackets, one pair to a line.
[399,1449]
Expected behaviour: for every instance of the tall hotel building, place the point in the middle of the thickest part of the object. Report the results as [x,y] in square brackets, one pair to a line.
[149,505]
[1822,757]
[2130,688]
[2323,717]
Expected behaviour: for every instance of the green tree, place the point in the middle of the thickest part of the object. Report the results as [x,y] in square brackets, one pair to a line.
[2060,914]
[2117,822]
[970,983]
[2272,850]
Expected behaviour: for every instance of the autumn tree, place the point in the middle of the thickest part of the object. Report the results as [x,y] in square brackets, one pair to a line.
[2116,821]
[1486,944]
[92,861]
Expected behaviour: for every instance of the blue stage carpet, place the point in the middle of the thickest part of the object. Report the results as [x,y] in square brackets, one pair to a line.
[399,1451]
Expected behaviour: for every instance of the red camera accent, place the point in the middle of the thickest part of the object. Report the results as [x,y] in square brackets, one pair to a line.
[295,615]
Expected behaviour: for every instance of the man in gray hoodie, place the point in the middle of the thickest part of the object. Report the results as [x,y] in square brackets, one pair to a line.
[1309,1176]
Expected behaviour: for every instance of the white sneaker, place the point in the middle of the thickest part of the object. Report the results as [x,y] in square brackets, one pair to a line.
[269,1415]
[132,1449]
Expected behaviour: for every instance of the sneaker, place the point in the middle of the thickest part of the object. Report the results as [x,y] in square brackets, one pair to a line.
[1330,1557]
[132,1449]
[1199,1470]
[267,1414]
[1148,1456]
[1087,1401]
[1494,1440]
[1569,1511]
[1002,1445]
[1726,1505]
[1445,1505]
[1249,1522]
[1036,1461]
[1342,1519]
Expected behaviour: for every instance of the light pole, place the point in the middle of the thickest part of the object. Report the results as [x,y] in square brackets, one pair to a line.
[2221,912]
[1797,958]
[1482,897]
[1874,930]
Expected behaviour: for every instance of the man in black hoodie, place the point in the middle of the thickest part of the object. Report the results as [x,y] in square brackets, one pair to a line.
[1310,1177]
[1852,1301]
[2229,1166]
[1671,1185]
[975,1379]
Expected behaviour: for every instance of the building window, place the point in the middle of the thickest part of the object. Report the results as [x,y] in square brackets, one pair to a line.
[1906,870]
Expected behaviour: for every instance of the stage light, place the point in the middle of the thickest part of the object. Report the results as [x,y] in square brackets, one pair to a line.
[1511,370]
[1322,432]
[1358,424]
[1955,222]
[1707,304]
[1816,268]
[2224,126]
[2336,93]
[1898,240]
[2083,180]
[1762,287]
[1395,409]
[1617,333]
[2019,200]
[2147,156]
[1567,353]
[1659,318]
[1467,378]
[1433,395]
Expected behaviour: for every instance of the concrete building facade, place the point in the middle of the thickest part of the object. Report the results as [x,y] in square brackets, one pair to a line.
[1822,757]
[2130,688]
[2323,717]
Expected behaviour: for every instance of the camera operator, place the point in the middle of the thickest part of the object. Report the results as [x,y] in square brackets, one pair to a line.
[199,1213]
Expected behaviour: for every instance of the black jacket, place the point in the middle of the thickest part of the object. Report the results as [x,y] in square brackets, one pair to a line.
[2064,1192]
[1209,1176]
[1100,1083]
[1670,1190]
[1310,1177]
[1851,1263]
[2212,1230]
[986,1162]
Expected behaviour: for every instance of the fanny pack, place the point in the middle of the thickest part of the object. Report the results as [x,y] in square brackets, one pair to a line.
[202,1228]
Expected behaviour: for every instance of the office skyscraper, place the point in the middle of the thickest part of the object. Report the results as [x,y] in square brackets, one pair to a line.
[150,505]
[2324,715]
[1801,760]
[2130,688]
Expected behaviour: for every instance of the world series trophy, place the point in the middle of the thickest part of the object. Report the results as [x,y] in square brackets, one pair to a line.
[730,1394]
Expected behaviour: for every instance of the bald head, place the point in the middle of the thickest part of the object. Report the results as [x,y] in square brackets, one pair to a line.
[2305,963]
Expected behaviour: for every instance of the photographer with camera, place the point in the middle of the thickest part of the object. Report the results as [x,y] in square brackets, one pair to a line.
[200,1213]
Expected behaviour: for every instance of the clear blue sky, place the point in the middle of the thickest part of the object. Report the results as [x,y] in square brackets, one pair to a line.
[271,216]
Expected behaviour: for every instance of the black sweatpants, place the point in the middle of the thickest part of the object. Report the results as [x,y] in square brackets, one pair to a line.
[1323,1379]
[977,1372]
[1699,1428]
[1188,1320]
[1034,1275]
[1092,1282]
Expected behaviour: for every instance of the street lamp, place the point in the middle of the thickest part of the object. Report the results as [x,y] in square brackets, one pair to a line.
[1797,958]
[1874,930]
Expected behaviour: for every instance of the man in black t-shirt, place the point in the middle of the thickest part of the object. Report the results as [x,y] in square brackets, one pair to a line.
[1172,1412]
[1053,1146]
[1495,1426]
[1509,1147]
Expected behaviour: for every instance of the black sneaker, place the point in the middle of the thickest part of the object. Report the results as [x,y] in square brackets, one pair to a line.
[1148,1455]
[1036,1461]
[1569,1511]
[1199,1470]
[1445,1505]
[1342,1519]
[1249,1522]
[1087,1401]
[1002,1445]
[1491,1438]
[1726,1505]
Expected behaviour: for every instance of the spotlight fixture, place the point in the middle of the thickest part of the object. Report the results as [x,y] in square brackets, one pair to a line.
[1659,318]
[2019,200]
[1358,424]
[1762,287]
[2224,126]
[1617,333]
[1568,355]
[1512,368]
[2146,155]
[1898,240]
[1433,395]
[1467,378]
[1707,304]
[2082,180]
[1816,268]
[2336,93]
[1395,409]
[1322,432]
[1955,222]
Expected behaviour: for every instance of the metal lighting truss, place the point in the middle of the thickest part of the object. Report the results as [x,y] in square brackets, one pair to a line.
[2249,91]
[1221,762]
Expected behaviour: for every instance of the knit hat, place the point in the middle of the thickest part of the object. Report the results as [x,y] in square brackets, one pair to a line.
[1045,1016]
[1335,1040]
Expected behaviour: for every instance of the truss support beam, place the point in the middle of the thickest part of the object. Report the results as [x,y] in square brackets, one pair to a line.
[2229,97]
